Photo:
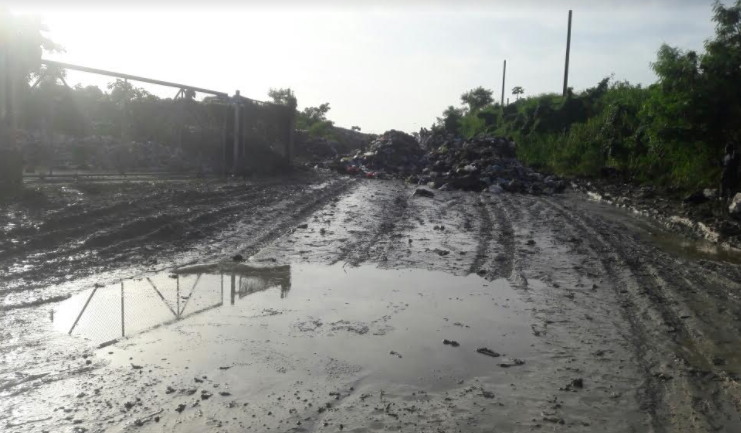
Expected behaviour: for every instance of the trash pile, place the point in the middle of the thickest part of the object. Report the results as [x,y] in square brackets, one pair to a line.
[448,163]
[391,155]
[481,163]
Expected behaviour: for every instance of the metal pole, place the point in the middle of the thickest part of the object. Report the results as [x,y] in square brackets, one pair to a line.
[82,311]
[162,297]
[290,145]
[50,132]
[223,140]
[178,293]
[130,77]
[181,109]
[237,121]
[123,312]
[233,291]
[568,51]
[504,77]
[124,117]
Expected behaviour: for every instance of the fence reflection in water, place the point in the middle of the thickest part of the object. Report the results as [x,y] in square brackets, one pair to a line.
[106,314]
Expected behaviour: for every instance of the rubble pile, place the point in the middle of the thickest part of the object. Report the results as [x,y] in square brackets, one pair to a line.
[392,154]
[480,163]
[448,163]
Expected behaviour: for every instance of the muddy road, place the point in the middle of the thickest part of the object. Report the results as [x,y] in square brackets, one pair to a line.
[359,307]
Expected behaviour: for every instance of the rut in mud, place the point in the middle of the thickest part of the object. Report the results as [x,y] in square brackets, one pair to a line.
[614,333]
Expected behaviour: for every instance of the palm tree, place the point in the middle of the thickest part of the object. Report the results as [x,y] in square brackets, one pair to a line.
[517,91]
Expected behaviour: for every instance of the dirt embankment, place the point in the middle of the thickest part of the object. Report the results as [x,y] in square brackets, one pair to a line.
[614,333]
[700,215]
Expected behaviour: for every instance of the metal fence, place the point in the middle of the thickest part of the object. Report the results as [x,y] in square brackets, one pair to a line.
[72,131]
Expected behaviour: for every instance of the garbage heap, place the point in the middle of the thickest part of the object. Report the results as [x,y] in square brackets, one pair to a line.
[450,163]
[393,154]
[483,163]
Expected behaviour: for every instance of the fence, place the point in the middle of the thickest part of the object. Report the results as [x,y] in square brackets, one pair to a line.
[72,131]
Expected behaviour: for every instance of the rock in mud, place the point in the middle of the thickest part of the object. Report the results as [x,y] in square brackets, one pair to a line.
[488,352]
[574,385]
[514,362]
[735,207]
[422,192]
[451,343]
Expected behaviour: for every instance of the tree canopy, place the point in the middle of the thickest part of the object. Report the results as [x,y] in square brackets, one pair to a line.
[477,98]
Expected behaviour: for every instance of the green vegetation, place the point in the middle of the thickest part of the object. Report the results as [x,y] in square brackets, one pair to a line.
[671,133]
[312,119]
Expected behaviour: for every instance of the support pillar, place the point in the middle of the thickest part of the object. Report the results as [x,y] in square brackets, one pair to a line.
[290,144]
[237,124]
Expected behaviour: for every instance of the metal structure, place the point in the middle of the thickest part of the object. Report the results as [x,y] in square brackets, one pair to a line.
[257,132]
[145,305]
[568,52]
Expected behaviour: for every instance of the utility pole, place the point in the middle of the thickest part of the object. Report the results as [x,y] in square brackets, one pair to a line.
[504,77]
[568,51]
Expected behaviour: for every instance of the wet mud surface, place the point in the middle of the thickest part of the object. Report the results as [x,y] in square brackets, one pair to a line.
[359,307]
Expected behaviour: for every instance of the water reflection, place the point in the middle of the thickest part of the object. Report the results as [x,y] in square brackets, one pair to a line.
[105,314]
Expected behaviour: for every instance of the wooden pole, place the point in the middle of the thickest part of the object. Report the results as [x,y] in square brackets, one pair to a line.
[568,51]
[504,78]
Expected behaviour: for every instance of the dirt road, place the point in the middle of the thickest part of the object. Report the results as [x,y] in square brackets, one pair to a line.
[361,307]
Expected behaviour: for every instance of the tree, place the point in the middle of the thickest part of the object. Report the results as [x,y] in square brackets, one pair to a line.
[122,89]
[450,121]
[355,128]
[477,98]
[517,91]
[23,41]
[26,41]
[316,114]
[283,97]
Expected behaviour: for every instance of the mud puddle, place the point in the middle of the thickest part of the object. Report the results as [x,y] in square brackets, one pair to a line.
[374,324]
[672,243]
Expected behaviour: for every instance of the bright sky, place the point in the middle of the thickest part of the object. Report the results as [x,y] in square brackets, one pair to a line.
[379,65]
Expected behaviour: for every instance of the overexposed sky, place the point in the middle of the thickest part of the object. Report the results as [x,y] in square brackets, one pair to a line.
[380,65]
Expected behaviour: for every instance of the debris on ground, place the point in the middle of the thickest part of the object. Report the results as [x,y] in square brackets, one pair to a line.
[451,343]
[488,352]
[574,385]
[446,163]
[422,192]
[512,363]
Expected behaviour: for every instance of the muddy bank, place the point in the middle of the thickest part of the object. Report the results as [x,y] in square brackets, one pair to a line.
[694,216]
[366,311]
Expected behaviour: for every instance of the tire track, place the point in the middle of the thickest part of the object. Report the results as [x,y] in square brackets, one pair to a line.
[688,402]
